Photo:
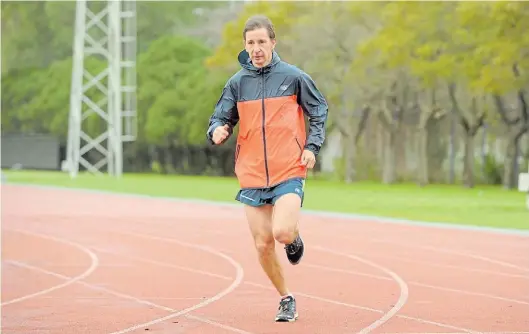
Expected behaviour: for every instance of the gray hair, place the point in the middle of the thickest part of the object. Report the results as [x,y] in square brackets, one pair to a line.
[257,22]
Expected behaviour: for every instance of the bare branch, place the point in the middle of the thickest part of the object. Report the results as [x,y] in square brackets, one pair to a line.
[524,109]
[500,107]
[363,121]
[457,110]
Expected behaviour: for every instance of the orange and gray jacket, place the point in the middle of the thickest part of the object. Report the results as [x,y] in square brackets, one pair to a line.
[269,104]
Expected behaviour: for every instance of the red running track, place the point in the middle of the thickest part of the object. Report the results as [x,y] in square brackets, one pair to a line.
[80,262]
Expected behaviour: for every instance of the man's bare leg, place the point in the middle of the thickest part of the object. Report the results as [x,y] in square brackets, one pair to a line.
[286,231]
[260,223]
[285,226]
[286,217]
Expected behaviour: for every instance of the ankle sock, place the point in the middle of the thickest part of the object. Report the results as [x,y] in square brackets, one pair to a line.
[288,295]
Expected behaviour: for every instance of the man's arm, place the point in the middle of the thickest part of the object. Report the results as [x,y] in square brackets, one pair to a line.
[225,112]
[315,107]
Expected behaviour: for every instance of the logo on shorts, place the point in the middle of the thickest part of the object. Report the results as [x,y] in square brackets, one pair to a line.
[297,190]
[283,87]
[248,198]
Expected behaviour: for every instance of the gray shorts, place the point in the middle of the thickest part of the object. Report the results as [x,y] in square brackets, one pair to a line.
[262,196]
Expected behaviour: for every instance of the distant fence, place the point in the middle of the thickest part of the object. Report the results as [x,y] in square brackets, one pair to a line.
[39,151]
[46,152]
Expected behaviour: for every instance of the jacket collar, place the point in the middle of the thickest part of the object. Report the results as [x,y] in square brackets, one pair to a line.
[246,62]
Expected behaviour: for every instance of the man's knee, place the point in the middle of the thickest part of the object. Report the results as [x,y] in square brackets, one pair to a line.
[265,245]
[260,220]
[285,218]
[285,234]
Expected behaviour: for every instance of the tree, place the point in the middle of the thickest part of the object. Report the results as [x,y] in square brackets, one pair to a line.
[284,15]
[167,63]
[502,52]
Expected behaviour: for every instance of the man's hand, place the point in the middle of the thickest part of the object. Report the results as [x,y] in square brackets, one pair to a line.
[220,134]
[308,159]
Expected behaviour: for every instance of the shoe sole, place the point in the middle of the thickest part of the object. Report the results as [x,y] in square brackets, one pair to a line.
[300,257]
[287,320]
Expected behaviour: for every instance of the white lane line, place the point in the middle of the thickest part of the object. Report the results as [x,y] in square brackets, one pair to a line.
[359,307]
[125,296]
[216,324]
[446,251]
[404,291]
[398,258]
[434,287]
[235,283]
[449,266]
[309,296]
[453,333]
[349,272]
[107,298]
[163,264]
[94,263]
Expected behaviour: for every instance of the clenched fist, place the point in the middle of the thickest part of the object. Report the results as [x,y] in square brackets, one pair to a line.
[308,159]
[220,134]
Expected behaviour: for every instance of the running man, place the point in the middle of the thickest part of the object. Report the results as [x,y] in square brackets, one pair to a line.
[268,98]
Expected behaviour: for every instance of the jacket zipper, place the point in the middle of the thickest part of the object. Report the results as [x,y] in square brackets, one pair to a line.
[297,142]
[237,149]
[263,127]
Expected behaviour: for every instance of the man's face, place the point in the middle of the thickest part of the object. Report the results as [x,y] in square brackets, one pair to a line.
[259,46]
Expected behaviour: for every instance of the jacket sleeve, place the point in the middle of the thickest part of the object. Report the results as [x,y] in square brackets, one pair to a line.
[315,107]
[225,112]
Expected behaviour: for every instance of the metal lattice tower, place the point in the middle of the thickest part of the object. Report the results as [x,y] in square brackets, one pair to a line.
[103,98]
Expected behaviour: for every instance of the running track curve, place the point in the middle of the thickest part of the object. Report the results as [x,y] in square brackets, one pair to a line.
[85,262]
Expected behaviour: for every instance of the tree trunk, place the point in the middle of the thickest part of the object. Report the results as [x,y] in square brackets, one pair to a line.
[517,126]
[436,148]
[345,126]
[350,144]
[468,166]
[389,172]
[168,154]
[390,117]
[510,178]
[349,149]
[423,178]
[429,112]
[452,151]
[471,121]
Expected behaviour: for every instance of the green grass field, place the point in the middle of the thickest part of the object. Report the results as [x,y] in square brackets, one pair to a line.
[482,206]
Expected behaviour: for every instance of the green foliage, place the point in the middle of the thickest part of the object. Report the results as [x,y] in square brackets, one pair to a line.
[37,100]
[19,87]
[473,42]
[176,92]
[356,51]
[283,14]
[174,88]
[37,33]
[167,62]
[492,170]
[498,31]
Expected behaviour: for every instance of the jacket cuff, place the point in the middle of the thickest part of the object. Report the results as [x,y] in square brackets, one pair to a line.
[313,148]
[209,133]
